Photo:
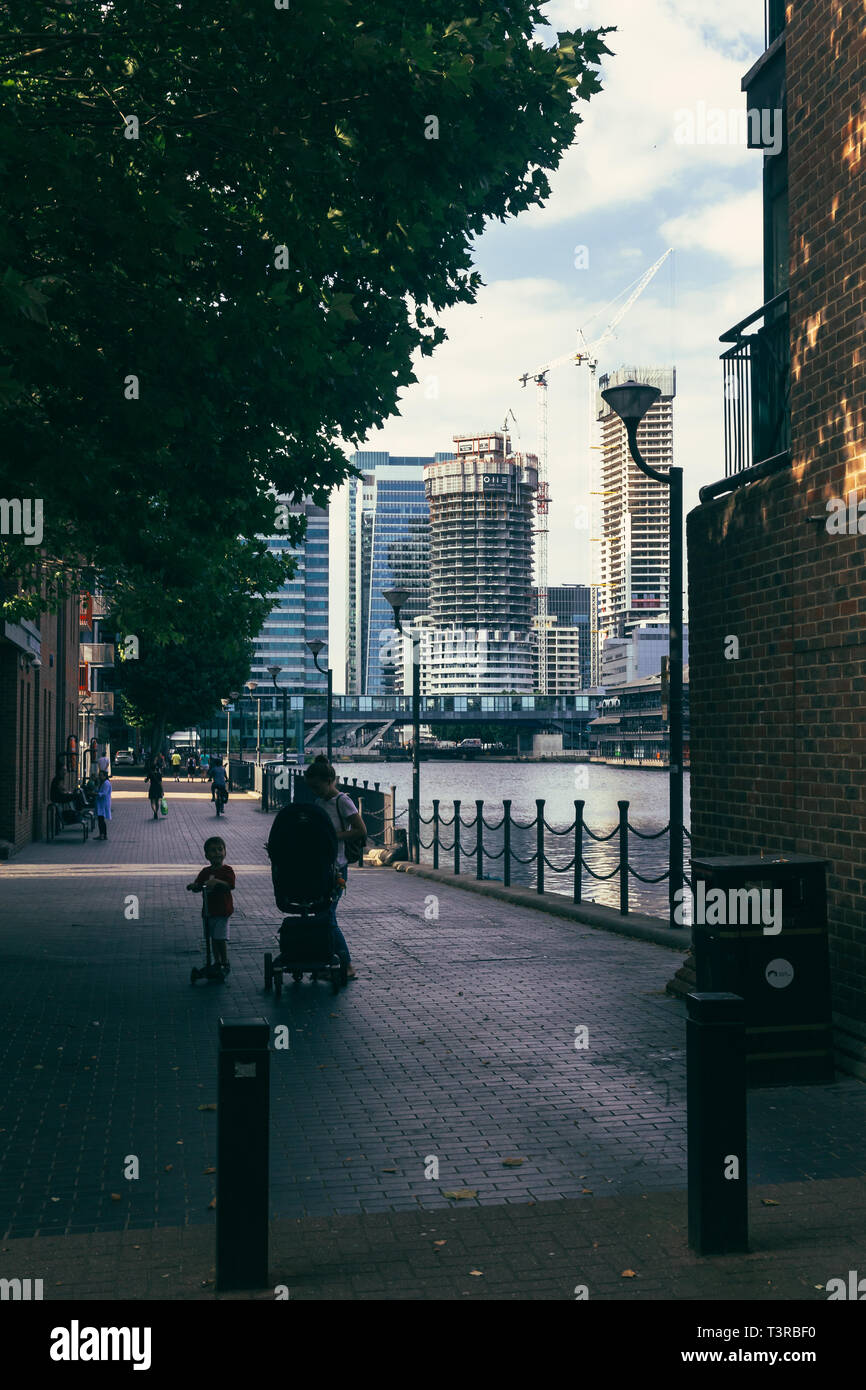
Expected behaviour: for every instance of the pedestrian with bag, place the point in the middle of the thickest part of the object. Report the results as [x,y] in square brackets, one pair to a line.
[155,793]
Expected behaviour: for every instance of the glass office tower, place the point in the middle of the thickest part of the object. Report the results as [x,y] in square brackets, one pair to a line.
[388,548]
[300,611]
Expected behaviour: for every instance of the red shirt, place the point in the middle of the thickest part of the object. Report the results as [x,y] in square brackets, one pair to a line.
[219,904]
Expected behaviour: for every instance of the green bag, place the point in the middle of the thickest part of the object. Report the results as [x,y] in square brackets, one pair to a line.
[163,808]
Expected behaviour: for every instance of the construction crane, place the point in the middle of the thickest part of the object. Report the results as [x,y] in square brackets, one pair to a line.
[588,354]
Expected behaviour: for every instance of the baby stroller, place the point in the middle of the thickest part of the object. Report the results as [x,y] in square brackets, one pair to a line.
[302,848]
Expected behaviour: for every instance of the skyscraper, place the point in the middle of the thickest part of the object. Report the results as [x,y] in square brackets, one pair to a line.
[388,548]
[481,537]
[635,510]
[570,605]
[300,611]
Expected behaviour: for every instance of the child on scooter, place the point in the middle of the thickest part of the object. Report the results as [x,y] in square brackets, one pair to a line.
[217,881]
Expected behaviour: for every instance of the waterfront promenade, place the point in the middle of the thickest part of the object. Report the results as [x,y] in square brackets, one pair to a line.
[456,1043]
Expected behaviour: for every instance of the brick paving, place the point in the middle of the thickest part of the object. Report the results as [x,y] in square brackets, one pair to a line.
[456,1043]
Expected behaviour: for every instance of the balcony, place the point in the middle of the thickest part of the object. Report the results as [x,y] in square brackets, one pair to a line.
[757,390]
[96,653]
[100,701]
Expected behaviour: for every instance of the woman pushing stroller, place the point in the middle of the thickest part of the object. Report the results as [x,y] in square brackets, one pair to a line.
[348,824]
[309,863]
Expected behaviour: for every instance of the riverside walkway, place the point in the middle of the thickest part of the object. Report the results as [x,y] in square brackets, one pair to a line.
[456,1044]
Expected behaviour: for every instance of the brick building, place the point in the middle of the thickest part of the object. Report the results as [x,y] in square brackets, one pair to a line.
[777,589]
[38,713]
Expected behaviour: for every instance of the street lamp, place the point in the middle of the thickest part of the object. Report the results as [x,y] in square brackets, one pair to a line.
[631,402]
[273,672]
[315,647]
[251,686]
[398,598]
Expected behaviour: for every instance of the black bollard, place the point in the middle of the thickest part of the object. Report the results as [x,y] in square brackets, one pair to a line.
[242,1154]
[716,1099]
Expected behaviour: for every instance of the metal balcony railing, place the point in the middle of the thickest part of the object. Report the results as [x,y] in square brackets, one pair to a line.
[757,388]
[101,701]
[97,653]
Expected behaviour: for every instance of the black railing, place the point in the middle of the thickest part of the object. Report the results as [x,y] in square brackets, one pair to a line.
[757,388]
[504,829]
[774,19]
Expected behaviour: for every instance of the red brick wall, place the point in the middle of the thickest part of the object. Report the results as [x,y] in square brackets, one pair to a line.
[31,736]
[779,736]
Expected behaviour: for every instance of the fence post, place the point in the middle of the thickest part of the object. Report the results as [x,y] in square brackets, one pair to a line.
[578,850]
[456,837]
[539,845]
[393,815]
[623,856]
[411,808]
[479,839]
[506,851]
[361,814]
[435,834]
[243,1095]
[716,1120]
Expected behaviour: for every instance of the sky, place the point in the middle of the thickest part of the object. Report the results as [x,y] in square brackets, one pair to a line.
[640,177]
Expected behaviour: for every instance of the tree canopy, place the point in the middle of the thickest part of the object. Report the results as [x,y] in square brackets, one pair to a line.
[225,231]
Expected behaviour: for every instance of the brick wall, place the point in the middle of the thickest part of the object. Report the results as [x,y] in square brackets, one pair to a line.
[779,736]
[32,730]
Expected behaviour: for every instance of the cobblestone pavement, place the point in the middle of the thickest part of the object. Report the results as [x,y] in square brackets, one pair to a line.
[455,1044]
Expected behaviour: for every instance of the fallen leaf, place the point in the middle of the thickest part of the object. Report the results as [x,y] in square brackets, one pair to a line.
[768,1202]
[511,1162]
[476,1272]
[462,1194]
[587,1190]
[115,1197]
[208,1170]
[168,1167]
[136,1247]
[628,1274]
[55,1199]
[207,1107]
[440,1242]
[387,1170]
[212,1203]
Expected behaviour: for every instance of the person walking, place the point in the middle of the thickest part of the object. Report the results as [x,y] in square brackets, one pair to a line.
[190,767]
[103,802]
[348,824]
[155,793]
[176,761]
[204,766]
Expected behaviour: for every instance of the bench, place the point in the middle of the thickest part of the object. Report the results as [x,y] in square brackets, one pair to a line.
[65,817]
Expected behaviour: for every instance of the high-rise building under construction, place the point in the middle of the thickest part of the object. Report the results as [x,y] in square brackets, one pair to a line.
[481,544]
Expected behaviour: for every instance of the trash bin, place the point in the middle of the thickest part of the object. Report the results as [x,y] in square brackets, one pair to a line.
[783,974]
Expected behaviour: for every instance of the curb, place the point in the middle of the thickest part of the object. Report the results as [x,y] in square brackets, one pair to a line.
[635,925]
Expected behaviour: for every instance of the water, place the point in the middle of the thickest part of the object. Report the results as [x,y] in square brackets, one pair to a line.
[559,784]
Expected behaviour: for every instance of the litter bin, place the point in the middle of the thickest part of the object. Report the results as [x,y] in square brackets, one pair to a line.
[779,966]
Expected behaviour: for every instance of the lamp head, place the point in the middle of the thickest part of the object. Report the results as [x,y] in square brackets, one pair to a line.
[315,646]
[273,672]
[398,598]
[631,401]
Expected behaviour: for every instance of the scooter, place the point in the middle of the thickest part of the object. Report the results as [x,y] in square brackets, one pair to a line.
[211,970]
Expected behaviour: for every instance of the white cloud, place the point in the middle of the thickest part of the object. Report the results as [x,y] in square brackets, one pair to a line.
[729,229]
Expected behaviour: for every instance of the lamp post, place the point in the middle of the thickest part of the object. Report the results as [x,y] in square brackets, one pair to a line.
[251,686]
[273,672]
[631,401]
[315,647]
[398,598]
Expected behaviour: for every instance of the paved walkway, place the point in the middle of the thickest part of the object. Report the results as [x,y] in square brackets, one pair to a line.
[456,1044]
